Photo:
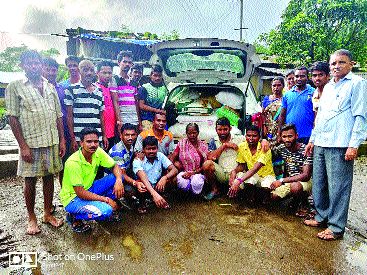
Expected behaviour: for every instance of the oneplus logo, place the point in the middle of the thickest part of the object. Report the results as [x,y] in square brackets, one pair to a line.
[22,259]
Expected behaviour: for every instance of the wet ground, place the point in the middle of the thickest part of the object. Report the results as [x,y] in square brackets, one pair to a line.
[194,236]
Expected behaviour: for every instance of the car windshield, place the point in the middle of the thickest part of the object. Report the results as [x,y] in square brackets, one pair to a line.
[178,61]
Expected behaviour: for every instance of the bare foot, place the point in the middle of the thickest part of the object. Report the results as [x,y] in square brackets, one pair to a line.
[33,228]
[53,221]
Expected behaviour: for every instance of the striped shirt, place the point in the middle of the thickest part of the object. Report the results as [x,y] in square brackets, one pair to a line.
[87,108]
[166,144]
[294,161]
[121,155]
[126,95]
[37,114]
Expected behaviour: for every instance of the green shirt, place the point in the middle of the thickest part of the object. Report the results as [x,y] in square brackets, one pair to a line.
[79,172]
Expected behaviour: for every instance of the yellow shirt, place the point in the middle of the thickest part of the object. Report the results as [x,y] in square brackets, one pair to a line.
[245,156]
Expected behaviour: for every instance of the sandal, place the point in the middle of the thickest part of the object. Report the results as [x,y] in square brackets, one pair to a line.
[77,226]
[311,215]
[302,212]
[142,210]
[328,235]
[313,223]
[210,196]
[115,217]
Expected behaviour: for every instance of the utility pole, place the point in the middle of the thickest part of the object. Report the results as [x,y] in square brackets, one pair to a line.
[241,19]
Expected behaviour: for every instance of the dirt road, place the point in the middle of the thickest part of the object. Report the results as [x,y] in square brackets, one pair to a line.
[194,236]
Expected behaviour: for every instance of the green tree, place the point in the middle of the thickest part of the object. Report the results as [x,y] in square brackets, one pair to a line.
[174,35]
[53,53]
[9,58]
[312,29]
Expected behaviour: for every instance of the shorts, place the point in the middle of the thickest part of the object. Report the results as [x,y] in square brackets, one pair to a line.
[258,181]
[46,161]
[285,189]
[221,175]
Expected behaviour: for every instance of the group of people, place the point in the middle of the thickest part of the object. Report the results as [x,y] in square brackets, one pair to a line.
[331,121]
[140,161]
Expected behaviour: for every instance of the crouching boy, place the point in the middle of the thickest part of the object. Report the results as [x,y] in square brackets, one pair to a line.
[150,171]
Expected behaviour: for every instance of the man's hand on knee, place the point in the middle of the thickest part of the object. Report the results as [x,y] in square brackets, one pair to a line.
[351,153]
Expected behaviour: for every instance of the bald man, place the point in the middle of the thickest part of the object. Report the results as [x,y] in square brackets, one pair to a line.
[84,104]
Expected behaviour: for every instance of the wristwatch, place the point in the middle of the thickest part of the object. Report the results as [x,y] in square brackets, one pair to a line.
[281,180]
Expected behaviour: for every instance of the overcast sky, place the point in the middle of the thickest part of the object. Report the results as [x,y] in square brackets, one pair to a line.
[191,18]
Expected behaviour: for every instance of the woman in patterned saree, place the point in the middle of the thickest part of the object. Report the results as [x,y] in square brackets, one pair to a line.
[271,108]
[189,157]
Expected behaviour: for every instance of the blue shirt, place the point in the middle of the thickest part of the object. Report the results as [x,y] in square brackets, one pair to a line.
[65,84]
[299,110]
[341,119]
[121,155]
[153,170]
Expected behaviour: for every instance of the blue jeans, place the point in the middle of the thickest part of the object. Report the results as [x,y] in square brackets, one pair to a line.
[332,185]
[94,210]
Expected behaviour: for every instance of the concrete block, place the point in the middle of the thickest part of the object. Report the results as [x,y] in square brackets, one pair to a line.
[8,165]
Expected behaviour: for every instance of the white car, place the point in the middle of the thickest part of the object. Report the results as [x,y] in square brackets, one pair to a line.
[206,79]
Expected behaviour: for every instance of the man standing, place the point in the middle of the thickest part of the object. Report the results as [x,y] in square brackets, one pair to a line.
[72,63]
[50,70]
[165,138]
[125,62]
[36,120]
[221,158]
[298,169]
[136,72]
[84,104]
[289,79]
[320,74]
[341,126]
[124,95]
[151,97]
[83,197]
[297,106]
[104,73]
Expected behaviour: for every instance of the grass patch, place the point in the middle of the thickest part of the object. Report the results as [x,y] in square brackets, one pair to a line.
[2,111]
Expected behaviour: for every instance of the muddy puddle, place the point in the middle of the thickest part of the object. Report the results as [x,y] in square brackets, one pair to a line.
[193,237]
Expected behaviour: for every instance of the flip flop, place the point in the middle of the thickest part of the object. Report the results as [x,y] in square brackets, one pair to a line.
[313,223]
[116,217]
[302,213]
[142,210]
[328,235]
[210,196]
[77,226]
